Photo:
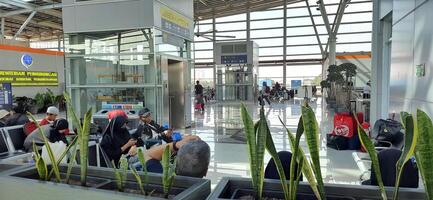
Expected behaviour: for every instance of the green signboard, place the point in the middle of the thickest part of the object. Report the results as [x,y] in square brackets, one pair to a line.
[29,78]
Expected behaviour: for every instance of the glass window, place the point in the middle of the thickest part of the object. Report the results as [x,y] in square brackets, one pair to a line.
[267,33]
[271,51]
[266,14]
[269,42]
[238,17]
[231,26]
[267,23]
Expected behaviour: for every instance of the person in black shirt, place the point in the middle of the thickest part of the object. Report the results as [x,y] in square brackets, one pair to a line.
[149,131]
[198,88]
[116,140]
[19,117]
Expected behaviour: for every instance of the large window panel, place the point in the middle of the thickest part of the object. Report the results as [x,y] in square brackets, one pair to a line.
[231,18]
[303,50]
[203,54]
[269,58]
[267,33]
[267,23]
[273,73]
[266,14]
[271,51]
[269,42]
[295,12]
[357,17]
[354,37]
[300,31]
[299,21]
[203,60]
[237,34]
[231,26]
[203,45]
[297,57]
[302,40]
[353,47]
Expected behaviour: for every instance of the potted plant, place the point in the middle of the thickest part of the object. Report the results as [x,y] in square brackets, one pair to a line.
[54,181]
[259,188]
[339,85]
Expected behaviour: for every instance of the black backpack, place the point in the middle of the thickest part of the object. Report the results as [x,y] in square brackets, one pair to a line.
[386,132]
[337,142]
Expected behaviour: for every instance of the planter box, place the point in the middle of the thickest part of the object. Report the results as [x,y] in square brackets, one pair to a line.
[24,184]
[233,188]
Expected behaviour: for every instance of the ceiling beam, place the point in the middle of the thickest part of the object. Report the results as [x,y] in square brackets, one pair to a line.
[22,11]
[24,24]
[41,23]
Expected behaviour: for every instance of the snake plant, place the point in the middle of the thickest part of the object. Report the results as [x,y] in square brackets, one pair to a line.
[49,150]
[83,131]
[410,142]
[301,158]
[256,140]
[369,146]
[424,151]
[121,172]
[139,181]
[41,167]
[143,164]
[311,130]
[168,171]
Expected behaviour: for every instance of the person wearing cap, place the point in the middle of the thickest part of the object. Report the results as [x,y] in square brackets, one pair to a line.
[4,114]
[54,132]
[52,113]
[149,130]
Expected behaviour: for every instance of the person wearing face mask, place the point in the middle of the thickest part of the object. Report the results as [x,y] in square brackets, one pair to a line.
[117,141]
[148,130]
[54,132]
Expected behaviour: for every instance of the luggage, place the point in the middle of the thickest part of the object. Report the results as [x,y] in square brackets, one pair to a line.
[337,142]
[386,132]
[344,125]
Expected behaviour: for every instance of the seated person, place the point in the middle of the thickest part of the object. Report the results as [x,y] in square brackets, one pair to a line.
[387,161]
[116,140]
[114,113]
[271,171]
[18,117]
[192,160]
[52,113]
[151,132]
[54,132]
[4,114]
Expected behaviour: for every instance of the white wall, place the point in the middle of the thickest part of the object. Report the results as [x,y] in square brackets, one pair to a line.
[412,44]
[11,60]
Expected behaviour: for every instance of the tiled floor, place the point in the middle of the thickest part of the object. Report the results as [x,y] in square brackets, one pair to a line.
[220,126]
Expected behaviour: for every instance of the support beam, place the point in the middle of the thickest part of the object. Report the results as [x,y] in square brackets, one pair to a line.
[315,29]
[285,44]
[339,16]
[41,23]
[3,28]
[22,11]
[24,24]
[324,16]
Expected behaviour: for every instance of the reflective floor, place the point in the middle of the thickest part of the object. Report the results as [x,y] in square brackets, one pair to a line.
[221,127]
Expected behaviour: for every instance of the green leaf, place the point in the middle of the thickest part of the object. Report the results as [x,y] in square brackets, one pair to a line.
[143,163]
[293,162]
[71,162]
[411,137]
[250,133]
[424,151]
[311,129]
[260,151]
[139,181]
[41,167]
[118,177]
[49,150]
[270,147]
[83,140]
[167,171]
[306,167]
[366,142]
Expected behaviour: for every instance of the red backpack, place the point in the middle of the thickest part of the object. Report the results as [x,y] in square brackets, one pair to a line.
[29,127]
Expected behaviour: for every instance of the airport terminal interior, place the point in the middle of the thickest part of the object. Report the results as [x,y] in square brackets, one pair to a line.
[216,99]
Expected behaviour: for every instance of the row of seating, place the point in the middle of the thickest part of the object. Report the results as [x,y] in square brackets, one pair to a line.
[12,140]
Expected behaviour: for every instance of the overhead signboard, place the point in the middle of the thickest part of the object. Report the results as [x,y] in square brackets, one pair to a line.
[29,78]
[175,23]
[234,59]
